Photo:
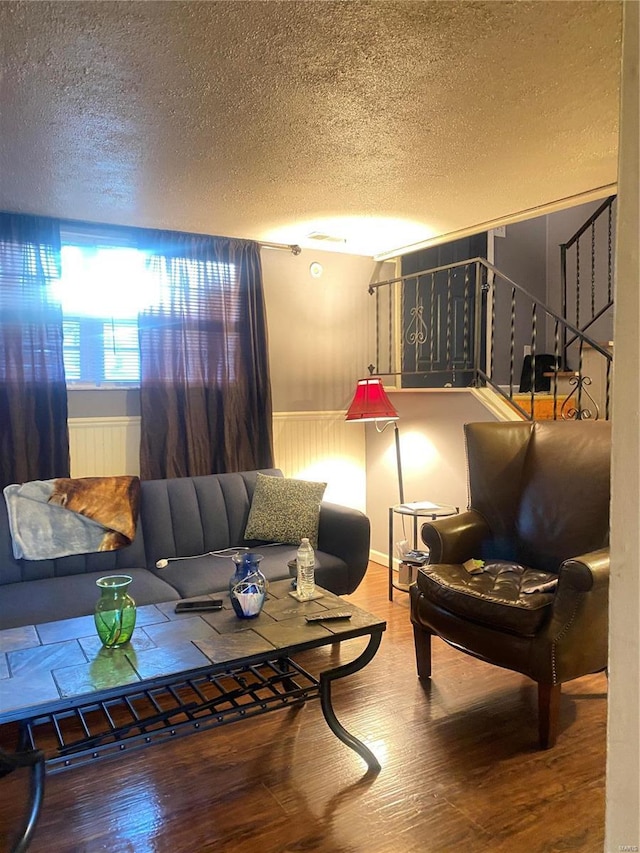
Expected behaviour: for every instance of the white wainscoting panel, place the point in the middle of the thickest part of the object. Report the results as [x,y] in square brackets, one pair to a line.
[104,447]
[308,445]
[323,446]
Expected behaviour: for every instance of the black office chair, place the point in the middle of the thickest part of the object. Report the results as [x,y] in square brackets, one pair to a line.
[545,363]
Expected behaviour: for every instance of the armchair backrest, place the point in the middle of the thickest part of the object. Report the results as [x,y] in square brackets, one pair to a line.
[543,488]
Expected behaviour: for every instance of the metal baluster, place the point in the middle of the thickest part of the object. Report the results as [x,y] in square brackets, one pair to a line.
[492,294]
[580,379]
[578,284]
[512,343]
[448,318]
[423,325]
[392,298]
[465,326]
[402,309]
[564,310]
[609,259]
[416,300]
[377,328]
[432,321]
[416,332]
[607,390]
[593,269]
[534,333]
[556,361]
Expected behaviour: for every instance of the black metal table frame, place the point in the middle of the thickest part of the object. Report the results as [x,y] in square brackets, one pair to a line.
[437,511]
[259,684]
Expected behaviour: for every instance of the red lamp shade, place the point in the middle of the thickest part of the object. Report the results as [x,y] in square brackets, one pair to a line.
[370,402]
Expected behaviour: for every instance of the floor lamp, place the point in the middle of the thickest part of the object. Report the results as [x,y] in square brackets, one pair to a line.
[371,404]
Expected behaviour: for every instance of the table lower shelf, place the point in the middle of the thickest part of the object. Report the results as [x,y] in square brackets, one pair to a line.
[80,735]
[82,732]
[76,730]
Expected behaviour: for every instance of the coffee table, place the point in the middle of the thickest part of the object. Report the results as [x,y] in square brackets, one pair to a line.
[77,702]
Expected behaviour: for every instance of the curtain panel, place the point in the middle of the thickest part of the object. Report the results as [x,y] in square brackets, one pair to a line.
[205,392]
[34,437]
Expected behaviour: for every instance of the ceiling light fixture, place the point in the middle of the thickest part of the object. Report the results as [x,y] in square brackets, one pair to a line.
[325,238]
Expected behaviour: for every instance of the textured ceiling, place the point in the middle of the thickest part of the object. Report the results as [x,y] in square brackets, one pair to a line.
[271,120]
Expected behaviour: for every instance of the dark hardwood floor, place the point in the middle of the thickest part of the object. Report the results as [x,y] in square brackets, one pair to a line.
[460,770]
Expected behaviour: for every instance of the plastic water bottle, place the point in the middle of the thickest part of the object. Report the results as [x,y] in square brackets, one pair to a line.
[305,560]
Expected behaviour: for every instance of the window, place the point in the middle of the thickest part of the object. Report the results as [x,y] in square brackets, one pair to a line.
[104,285]
[102,289]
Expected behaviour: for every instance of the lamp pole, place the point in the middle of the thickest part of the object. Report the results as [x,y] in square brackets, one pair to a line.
[370,403]
[399,461]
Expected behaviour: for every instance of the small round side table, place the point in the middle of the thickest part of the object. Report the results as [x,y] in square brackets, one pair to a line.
[416,510]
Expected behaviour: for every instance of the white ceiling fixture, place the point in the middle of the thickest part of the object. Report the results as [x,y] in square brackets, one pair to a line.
[325,238]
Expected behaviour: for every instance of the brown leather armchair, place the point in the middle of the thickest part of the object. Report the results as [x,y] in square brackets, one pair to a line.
[539,519]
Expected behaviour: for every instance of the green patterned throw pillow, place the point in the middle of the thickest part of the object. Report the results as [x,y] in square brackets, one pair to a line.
[285,510]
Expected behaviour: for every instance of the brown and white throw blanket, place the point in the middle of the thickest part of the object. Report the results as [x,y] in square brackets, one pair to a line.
[55,518]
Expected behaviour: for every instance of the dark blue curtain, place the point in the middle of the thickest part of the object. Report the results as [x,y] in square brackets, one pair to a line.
[34,437]
[205,392]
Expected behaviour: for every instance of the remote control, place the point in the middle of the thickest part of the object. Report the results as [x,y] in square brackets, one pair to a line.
[329,614]
[204,604]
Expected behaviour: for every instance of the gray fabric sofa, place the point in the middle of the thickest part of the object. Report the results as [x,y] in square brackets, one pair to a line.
[183,517]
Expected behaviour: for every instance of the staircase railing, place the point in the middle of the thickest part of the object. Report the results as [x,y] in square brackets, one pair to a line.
[470,320]
[597,267]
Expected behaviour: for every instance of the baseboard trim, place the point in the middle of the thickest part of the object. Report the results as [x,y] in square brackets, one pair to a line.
[382,559]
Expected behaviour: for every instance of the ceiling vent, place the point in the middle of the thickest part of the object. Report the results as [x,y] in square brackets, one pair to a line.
[326,238]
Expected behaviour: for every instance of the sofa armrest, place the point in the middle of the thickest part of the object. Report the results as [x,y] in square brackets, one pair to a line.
[345,533]
[456,538]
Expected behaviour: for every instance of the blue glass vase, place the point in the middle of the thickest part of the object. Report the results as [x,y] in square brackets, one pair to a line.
[248,586]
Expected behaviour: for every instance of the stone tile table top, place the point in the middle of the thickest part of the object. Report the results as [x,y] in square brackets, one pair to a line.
[43,667]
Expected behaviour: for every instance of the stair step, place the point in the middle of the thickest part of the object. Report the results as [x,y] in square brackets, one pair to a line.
[542,405]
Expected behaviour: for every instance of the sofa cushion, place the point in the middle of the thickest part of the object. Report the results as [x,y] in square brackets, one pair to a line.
[50,599]
[494,597]
[210,574]
[186,516]
[284,510]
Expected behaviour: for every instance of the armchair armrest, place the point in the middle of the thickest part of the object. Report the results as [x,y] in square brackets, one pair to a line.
[586,572]
[456,538]
[578,628]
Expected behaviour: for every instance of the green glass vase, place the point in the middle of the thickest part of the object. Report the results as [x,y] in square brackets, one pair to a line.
[115,611]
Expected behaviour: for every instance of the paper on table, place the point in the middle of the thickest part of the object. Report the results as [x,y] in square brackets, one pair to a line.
[250,602]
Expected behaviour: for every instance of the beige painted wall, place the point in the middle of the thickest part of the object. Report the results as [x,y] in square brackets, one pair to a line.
[321,335]
[433,457]
[321,330]
[623,763]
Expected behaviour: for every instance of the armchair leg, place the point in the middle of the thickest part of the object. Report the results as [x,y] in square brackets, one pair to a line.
[422,642]
[548,713]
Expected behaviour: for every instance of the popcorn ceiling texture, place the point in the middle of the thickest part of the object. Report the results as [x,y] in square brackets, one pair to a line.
[238,117]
